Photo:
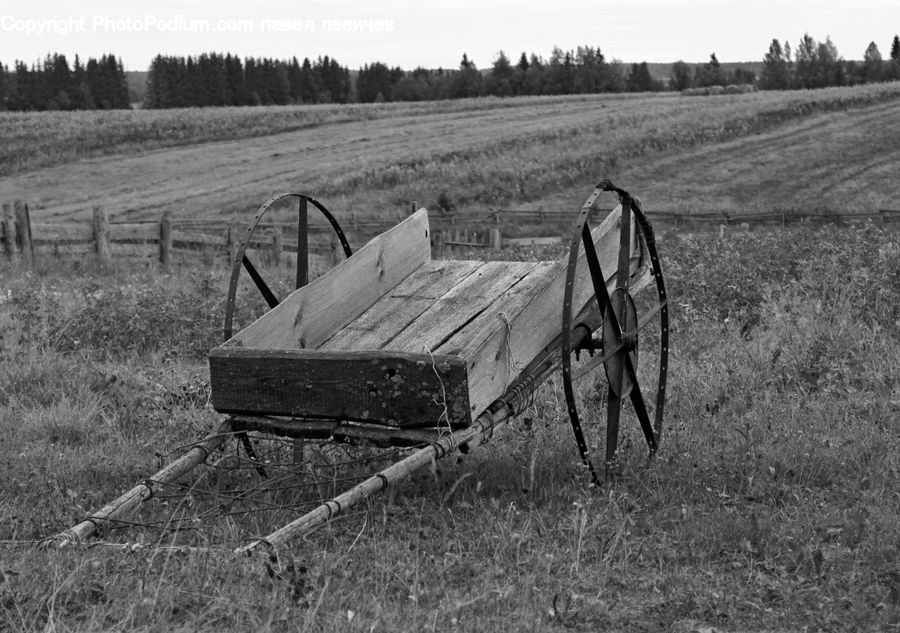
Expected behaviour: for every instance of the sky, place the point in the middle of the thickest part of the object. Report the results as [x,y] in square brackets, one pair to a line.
[410,33]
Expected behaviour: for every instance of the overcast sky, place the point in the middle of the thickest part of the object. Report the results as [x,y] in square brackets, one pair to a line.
[409,33]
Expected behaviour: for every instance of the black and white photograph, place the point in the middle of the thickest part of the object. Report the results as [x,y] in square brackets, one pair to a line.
[451,316]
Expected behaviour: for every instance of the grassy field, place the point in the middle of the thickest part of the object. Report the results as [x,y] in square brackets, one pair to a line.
[832,149]
[772,506]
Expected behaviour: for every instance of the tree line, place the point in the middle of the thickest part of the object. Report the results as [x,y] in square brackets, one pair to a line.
[818,64]
[214,79]
[224,80]
[98,84]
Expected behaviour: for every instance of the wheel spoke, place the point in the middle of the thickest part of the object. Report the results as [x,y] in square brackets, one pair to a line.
[652,312]
[613,411]
[261,284]
[597,278]
[640,407]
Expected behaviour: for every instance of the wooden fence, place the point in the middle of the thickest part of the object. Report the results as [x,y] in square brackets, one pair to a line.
[168,238]
[514,217]
[163,240]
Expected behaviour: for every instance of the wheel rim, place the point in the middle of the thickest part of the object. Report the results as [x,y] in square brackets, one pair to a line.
[241,261]
[620,324]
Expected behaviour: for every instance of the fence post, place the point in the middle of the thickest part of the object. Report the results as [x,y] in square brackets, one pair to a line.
[881,214]
[277,245]
[334,250]
[101,234]
[9,233]
[231,243]
[165,238]
[496,239]
[23,226]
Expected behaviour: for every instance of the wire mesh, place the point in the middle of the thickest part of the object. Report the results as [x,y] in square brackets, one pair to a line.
[235,497]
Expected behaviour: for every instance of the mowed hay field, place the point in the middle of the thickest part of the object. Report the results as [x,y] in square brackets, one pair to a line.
[830,149]
[773,504]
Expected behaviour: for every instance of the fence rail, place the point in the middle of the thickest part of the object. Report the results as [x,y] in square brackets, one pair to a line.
[666,217]
[22,241]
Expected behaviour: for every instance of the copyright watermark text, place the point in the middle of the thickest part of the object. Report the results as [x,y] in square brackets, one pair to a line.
[149,23]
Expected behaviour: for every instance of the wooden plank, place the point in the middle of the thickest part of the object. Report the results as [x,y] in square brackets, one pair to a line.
[392,313]
[125,249]
[134,231]
[506,363]
[396,389]
[64,248]
[52,232]
[496,349]
[200,239]
[311,315]
[532,241]
[505,309]
[460,305]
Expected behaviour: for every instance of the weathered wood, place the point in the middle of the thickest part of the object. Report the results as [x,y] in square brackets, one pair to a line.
[232,241]
[127,249]
[165,238]
[56,232]
[190,237]
[391,388]
[495,366]
[379,325]
[100,226]
[483,427]
[133,232]
[311,315]
[277,233]
[496,346]
[533,241]
[496,239]
[464,302]
[337,430]
[126,503]
[23,230]
[9,233]
[65,248]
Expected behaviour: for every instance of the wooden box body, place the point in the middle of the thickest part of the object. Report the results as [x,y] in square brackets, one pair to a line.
[390,336]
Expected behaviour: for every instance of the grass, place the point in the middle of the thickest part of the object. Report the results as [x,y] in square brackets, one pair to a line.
[40,139]
[772,505]
[832,146]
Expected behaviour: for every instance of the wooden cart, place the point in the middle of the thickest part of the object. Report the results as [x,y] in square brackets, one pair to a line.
[394,348]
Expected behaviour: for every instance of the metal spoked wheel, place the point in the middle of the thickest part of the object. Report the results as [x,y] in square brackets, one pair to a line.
[241,260]
[620,315]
